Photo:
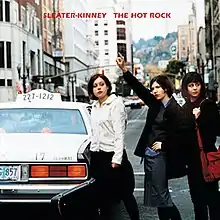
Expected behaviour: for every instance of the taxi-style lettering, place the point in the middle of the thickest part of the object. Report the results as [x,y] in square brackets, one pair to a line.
[40,156]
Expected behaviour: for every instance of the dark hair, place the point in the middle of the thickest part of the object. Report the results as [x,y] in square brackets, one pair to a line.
[189,78]
[164,82]
[91,82]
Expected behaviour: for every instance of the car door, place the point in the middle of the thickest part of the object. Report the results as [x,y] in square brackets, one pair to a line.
[77,203]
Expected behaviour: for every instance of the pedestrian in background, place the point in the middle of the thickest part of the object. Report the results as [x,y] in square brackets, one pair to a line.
[159,141]
[202,111]
[109,163]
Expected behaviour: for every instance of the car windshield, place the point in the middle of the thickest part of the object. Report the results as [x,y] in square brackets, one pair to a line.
[62,121]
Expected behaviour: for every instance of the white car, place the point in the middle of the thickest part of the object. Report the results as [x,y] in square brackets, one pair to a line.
[44,147]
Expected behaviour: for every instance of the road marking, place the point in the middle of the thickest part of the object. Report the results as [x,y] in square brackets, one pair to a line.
[139,173]
[135,121]
[142,190]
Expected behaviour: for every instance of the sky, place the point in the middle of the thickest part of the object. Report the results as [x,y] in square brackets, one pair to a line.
[180,9]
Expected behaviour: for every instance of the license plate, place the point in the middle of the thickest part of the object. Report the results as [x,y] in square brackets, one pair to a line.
[40,96]
[10,173]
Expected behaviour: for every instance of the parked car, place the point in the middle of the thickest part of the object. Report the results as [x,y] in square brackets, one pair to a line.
[44,147]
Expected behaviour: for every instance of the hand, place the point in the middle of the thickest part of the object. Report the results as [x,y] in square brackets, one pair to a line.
[115,165]
[157,145]
[121,63]
[196,112]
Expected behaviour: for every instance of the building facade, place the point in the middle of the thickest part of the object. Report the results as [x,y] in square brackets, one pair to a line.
[53,44]
[183,42]
[212,39]
[111,36]
[192,40]
[20,45]
[78,46]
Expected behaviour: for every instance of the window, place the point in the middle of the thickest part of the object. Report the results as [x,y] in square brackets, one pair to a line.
[1,11]
[106,42]
[38,29]
[7,11]
[105,22]
[123,50]
[9,82]
[50,47]
[120,22]
[8,54]
[97,43]
[46,68]
[106,52]
[23,17]
[96,23]
[36,120]
[67,67]
[2,60]
[45,44]
[121,35]
[32,25]
[105,32]
[96,33]
[2,82]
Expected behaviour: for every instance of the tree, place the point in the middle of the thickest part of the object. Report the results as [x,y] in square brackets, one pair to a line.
[174,66]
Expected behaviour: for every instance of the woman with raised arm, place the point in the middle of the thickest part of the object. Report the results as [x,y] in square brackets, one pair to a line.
[159,143]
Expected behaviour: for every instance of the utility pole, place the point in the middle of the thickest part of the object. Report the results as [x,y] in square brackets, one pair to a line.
[55,37]
[72,79]
[132,64]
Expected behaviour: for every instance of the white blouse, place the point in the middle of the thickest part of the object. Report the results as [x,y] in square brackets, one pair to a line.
[108,127]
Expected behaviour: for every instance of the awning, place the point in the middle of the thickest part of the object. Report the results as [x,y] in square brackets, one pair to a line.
[81,92]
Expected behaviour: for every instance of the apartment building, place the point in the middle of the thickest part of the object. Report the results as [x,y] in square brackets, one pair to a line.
[192,39]
[20,45]
[111,36]
[78,47]
[182,42]
[53,44]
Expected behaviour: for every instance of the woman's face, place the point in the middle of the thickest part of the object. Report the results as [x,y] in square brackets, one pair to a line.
[194,89]
[158,91]
[100,88]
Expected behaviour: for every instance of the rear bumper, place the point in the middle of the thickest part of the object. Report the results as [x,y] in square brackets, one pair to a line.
[35,193]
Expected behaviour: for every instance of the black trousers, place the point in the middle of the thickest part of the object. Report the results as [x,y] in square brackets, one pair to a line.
[113,184]
[128,185]
[205,196]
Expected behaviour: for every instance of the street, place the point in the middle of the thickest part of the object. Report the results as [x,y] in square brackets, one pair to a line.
[178,188]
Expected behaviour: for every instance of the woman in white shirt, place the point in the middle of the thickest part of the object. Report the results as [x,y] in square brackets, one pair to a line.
[108,157]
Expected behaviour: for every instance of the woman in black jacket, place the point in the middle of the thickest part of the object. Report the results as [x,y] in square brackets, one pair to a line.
[204,112]
[158,141]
